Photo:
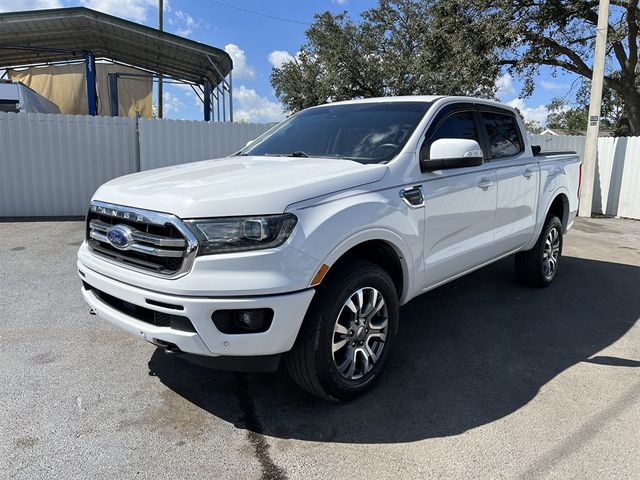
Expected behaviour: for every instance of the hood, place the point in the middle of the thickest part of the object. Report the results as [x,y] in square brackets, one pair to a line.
[236,186]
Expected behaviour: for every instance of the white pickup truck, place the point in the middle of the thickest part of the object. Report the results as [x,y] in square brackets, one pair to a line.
[305,243]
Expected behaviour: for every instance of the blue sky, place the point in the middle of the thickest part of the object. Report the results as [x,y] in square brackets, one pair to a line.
[257,42]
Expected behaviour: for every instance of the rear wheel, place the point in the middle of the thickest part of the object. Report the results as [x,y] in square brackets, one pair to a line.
[538,266]
[347,335]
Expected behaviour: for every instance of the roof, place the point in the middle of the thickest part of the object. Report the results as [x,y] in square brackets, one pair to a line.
[62,34]
[423,98]
[390,99]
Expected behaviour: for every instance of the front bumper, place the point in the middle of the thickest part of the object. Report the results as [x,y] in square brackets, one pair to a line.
[289,311]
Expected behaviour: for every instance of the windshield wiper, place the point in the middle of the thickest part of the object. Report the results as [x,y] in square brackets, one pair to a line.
[298,153]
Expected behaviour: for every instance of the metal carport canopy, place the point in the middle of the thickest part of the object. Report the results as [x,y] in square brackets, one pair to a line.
[58,35]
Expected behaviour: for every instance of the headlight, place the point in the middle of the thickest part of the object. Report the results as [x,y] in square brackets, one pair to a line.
[222,235]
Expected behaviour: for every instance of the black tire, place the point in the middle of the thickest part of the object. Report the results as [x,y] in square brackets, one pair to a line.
[312,364]
[532,266]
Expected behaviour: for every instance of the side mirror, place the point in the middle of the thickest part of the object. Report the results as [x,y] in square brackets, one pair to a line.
[452,153]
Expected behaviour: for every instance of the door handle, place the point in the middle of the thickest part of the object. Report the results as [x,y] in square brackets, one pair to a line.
[528,173]
[485,183]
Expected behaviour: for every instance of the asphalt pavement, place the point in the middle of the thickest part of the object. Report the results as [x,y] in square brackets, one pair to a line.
[488,380]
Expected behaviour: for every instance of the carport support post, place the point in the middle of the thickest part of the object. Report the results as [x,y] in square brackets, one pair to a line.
[207,101]
[90,68]
[224,106]
[218,100]
[230,97]
[113,91]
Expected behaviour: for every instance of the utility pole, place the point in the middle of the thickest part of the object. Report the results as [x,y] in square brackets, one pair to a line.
[593,127]
[160,27]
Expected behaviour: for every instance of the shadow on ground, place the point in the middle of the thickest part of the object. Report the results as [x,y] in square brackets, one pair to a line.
[468,354]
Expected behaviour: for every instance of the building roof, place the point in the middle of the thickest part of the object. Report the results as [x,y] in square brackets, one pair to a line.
[58,35]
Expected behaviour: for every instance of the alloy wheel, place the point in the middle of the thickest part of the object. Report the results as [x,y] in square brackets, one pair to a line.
[359,333]
[551,252]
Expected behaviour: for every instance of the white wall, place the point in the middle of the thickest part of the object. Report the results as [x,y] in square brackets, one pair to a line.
[50,165]
[617,182]
[171,142]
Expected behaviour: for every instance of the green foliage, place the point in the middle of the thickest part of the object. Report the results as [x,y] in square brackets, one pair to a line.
[403,47]
[449,47]
[533,127]
[573,116]
[572,120]
[561,34]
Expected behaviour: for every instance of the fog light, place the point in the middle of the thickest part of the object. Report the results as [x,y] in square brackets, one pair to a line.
[243,321]
[250,319]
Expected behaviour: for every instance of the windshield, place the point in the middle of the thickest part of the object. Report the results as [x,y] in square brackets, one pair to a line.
[365,132]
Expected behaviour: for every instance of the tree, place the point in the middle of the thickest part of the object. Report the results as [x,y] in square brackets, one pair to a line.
[533,127]
[574,118]
[571,120]
[403,47]
[335,64]
[612,112]
[455,47]
[561,34]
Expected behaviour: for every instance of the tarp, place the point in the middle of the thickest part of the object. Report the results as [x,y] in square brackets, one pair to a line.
[66,87]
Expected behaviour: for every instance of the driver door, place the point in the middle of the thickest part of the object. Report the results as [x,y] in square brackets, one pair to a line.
[460,204]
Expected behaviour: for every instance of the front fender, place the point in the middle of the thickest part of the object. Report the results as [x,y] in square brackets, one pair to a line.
[331,228]
[390,237]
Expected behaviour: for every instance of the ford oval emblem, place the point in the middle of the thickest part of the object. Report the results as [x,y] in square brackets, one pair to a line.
[120,236]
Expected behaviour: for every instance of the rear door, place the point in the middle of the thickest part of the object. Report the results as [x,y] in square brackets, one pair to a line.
[518,179]
[460,203]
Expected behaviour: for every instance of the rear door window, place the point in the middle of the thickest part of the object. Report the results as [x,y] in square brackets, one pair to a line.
[503,135]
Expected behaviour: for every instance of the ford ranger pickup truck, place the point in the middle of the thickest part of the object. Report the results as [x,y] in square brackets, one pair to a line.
[303,245]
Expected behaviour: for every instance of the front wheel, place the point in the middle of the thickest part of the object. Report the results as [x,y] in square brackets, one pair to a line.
[538,266]
[347,334]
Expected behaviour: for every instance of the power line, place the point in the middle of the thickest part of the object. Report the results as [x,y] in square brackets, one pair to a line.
[273,17]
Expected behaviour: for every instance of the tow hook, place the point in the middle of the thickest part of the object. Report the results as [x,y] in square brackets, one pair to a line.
[169,348]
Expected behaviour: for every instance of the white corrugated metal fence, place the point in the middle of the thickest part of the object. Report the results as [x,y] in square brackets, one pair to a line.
[617,183]
[171,142]
[50,165]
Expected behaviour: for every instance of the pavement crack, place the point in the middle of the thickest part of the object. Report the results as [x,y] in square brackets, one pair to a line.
[270,471]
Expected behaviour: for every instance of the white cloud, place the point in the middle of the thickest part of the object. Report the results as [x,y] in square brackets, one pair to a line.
[536,114]
[504,83]
[171,103]
[137,10]
[277,58]
[251,107]
[554,85]
[340,2]
[188,91]
[19,5]
[184,23]
[241,70]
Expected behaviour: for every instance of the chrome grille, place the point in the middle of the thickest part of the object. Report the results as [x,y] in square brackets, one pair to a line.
[159,244]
